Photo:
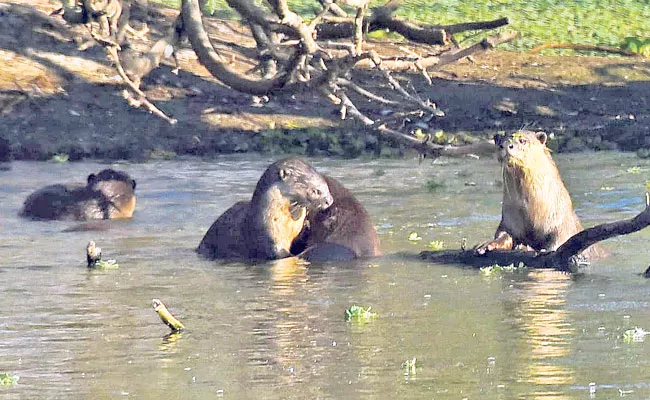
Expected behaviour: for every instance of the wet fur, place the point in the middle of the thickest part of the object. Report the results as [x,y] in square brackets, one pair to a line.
[341,232]
[107,195]
[265,227]
[537,209]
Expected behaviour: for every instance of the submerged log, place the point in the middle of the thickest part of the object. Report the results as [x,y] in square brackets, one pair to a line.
[565,258]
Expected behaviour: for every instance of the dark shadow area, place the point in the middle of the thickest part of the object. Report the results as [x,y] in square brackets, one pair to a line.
[51,107]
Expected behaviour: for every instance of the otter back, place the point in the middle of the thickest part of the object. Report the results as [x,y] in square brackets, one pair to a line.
[341,232]
[107,195]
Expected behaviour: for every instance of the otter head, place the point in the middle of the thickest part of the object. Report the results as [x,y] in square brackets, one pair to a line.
[119,190]
[301,184]
[517,147]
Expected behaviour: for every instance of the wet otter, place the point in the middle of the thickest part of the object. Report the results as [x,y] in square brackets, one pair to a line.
[343,231]
[107,195]
[537,211]
[265,227]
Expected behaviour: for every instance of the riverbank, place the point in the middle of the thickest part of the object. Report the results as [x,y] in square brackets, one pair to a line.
[56,100]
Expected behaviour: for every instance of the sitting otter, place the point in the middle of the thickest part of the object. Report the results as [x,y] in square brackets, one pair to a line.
[342,232]
[537,211]
[265,227]
[107,195]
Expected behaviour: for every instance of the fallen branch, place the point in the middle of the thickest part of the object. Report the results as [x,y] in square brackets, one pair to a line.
[584,47]
[112,51]
[562,259]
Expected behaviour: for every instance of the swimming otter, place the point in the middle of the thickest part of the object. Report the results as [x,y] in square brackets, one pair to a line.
[537,211]
[107,195]
[341,232]
[265,227]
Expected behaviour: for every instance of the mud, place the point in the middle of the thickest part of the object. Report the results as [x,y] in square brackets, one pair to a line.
[55,99]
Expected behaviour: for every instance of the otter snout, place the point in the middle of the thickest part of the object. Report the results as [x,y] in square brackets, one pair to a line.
[327,201]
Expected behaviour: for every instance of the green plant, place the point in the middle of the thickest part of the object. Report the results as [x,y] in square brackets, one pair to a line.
[359,314]
[6,379]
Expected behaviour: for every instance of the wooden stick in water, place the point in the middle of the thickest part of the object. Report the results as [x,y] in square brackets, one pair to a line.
[167,317]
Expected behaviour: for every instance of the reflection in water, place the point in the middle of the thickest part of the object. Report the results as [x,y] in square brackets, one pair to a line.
[169,341]
[546,324]
[277,330]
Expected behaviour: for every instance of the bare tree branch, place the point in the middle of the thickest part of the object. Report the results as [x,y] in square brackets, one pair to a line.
[560,259]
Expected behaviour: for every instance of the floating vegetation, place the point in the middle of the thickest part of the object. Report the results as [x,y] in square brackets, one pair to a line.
[106,264]
[414,236]
[6,379]
[433,184]
[496,269]
[359,314]
[436,245]
[409,367]
[635,335]
[60,158]
[94,258]
[634,170]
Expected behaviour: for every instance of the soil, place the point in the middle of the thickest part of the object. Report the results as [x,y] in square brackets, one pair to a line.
[56,99]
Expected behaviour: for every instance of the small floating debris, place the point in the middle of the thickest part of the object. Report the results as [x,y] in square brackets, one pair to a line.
[174,324]
[409,367]
[436,245]
[495,269]
[414,236]
[6,379]
[94,258]
[359,314]
[635,335]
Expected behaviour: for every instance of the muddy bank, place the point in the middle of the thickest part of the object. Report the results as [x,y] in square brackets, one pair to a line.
[55,99]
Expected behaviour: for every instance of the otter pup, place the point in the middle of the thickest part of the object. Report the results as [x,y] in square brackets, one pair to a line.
[537,211]
[265,227]
[107,195]
[342,232]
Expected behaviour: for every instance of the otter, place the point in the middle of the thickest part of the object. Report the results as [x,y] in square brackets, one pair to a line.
[342,232]
[110,194]
[537,212]
[264,227]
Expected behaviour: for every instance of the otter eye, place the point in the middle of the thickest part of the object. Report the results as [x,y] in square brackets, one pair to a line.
[511,146]
[522,140]
[316,192]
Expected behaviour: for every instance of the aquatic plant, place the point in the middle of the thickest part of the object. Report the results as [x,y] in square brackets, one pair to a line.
[414,236]
[359,314]
[409,366]
[6,379]
[495,269]
[434,184]
[436,245]
[105,264]
[60,158]
[635,335]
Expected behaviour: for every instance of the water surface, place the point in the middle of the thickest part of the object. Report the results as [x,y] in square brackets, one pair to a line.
[277,330]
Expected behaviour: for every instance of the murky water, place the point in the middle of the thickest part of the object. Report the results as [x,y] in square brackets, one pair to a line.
[277,330]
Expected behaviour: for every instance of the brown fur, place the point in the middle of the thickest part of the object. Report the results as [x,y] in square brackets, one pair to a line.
[265,227]
[537,210]
[107,195]
[342,231]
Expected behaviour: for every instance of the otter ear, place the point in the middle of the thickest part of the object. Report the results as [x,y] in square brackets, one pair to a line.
[92,179]
[541,136]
